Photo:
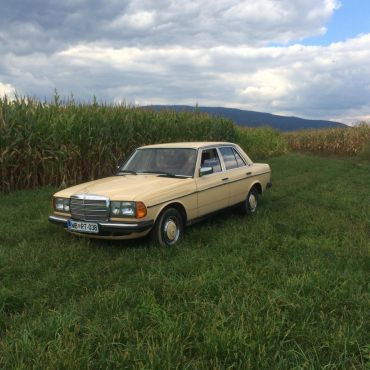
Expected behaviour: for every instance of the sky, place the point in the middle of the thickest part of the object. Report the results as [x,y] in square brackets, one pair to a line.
[308,58]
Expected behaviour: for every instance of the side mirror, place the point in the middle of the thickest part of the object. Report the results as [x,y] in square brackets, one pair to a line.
[205,171]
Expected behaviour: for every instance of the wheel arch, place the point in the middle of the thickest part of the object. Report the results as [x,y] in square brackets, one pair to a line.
[257,185]
[178,206]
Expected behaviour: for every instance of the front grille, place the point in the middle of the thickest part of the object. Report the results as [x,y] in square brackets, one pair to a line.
[89,208]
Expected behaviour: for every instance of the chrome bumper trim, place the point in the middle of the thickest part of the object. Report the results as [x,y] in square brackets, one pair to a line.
[58,220]
[110,226]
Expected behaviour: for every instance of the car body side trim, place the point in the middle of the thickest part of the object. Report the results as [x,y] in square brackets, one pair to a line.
[199,191]
[211,214]
[109,224]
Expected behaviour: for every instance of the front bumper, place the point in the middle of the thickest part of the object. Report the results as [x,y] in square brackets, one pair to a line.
[110,228]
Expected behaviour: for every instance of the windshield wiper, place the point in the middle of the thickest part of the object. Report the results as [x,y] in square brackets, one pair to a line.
[168,174]
[127,171]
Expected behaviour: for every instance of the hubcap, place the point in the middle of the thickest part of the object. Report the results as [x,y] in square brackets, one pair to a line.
[252,200]
[171,230]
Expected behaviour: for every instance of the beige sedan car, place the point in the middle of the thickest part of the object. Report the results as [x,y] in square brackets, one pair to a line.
[161,189]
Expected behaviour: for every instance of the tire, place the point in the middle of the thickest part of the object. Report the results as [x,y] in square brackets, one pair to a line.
[249,206]
[168,228]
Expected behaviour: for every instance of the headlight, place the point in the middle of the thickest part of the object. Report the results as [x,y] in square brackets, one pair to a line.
[61,204]
[127,209]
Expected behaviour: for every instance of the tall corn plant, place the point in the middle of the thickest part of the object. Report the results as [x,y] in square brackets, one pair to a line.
[349,141]
[262,142]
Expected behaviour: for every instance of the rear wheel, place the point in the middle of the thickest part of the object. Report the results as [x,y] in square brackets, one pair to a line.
[168,228]
[250,204]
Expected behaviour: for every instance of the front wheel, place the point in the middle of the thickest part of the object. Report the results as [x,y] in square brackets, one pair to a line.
[168,228]
[250,204]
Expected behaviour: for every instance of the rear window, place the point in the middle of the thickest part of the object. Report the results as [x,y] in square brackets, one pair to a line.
[239,159]
[231,158]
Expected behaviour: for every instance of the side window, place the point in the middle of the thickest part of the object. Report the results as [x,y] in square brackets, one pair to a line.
[228,157]
[239,159]
[210,159]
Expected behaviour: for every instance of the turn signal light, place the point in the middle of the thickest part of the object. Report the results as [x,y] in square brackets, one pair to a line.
[140,210]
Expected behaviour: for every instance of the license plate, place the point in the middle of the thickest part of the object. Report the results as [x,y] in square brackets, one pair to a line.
[83,227]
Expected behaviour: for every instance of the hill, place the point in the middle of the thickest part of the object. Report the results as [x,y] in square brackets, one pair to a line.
[256,119]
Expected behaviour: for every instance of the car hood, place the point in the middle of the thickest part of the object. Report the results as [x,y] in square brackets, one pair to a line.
[130,187]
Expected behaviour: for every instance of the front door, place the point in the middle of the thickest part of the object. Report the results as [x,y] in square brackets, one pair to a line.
[213,192]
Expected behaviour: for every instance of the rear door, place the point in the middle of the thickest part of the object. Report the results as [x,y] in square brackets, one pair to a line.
[237,172]
[213,192]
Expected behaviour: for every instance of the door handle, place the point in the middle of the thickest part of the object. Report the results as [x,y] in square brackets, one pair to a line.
[225,179]
[249,173]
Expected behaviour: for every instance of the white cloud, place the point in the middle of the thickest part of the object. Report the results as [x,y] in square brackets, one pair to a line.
[139,21]
[313,81]
[7,90]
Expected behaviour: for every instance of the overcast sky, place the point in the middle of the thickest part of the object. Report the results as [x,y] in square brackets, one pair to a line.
[309,58]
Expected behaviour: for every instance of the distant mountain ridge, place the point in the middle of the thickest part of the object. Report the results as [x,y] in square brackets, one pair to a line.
[256,119]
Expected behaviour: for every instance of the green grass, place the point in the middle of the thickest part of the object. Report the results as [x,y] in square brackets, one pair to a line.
[288,288]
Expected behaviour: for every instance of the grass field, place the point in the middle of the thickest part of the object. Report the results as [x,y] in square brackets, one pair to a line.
[288,288]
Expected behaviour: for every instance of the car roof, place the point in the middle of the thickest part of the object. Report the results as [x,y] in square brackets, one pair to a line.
[186,145]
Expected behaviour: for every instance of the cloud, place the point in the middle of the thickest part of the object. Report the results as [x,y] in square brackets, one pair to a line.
[312,81]
[48,26]
[141,20]
[168,51]
[7,90]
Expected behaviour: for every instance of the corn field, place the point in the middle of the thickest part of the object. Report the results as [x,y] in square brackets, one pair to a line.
[351,141]
[261,142]
[67,143]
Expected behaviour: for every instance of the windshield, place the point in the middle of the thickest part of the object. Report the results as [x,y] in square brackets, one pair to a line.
[174,161]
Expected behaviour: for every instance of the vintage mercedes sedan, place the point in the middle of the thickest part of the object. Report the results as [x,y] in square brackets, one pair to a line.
[160,189]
